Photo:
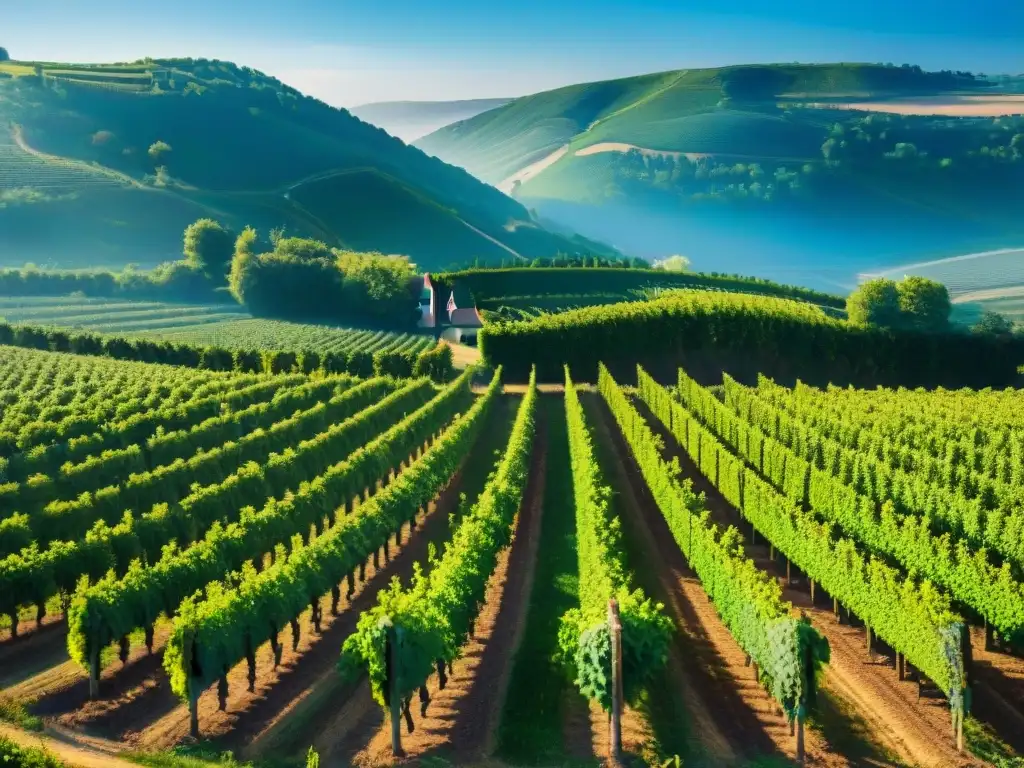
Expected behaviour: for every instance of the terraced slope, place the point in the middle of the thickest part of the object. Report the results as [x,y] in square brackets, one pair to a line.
[230,143]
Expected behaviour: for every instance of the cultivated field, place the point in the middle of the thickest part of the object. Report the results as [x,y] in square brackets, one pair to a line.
[967,105]
[748,536]
[222,325]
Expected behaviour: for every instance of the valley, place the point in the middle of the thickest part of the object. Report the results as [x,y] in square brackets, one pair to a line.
[666,420]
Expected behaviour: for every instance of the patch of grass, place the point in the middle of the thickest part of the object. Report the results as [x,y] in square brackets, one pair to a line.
[982,742]
[530,731]
[17,756]
[16,711]
[188,757]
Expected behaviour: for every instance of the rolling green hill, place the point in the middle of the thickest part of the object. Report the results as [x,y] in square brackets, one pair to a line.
[729,110]
[802,173]
[411,120]
[104,165]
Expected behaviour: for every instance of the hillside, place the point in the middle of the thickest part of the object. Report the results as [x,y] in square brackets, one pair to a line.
[104,165]
[411,120]
[871,164]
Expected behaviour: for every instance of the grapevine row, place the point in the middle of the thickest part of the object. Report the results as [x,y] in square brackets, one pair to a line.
[966,572]
[32,577]
[787,651]
[168,483]
[131,468]
[914,618]
[604,575]
[114,607]
[213,634]
[434,617]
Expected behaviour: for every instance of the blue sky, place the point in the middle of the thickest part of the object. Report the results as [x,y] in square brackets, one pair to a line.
[350,52]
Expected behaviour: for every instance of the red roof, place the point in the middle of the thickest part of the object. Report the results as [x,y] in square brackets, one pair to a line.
[466,318]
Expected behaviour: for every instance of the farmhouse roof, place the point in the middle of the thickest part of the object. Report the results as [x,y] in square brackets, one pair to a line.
[466,318]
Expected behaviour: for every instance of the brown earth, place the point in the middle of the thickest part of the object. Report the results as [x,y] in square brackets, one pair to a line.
[75,751]
[917,731]
[732,715]
[461,720]
[138,708]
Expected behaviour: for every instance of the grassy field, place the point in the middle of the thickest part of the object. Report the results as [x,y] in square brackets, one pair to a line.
[219,324]
[90,126]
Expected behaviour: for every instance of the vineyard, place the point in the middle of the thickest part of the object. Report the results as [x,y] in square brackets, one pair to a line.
[375,566]
[222,325]
[20,170]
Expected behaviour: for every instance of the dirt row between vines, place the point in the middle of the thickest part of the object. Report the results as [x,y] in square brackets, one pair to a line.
[917,731]
[733,716]
[339,717]
[138,708]
[461,720]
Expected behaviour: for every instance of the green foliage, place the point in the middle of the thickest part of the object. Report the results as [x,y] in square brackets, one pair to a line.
[913,617]
[244,252]
[209,247]
[432,620]
[900,501]
[924,303]
[788,651]
[305,278]
[914,303]
[113,607]
[13,754]
[489,285]
[584,638]
[214,632]
[435,363]
[347,350]
[773,335]
[875,302]
[158,149]
[320,438]
[993,324]
[16,712]
[4,55]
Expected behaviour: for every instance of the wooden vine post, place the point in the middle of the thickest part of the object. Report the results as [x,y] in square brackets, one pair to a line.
[615,731]
[800,739]
[94,671]
[394,693]
[193,708]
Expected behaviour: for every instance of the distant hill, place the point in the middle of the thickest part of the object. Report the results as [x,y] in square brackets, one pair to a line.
[411,120]
[802,173]
[106,165]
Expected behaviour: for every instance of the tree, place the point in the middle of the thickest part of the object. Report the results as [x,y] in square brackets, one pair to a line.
[924,304]
[993,324]
[875,302]
[675,263]
[158,149]
[4,55]
[245,252]
[209,247]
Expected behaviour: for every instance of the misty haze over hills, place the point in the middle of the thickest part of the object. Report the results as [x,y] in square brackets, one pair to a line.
[411,120]
[805,173]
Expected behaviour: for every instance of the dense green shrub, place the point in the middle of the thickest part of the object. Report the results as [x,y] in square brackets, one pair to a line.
[436,363]
[486,284]
[392,363]
[745,335]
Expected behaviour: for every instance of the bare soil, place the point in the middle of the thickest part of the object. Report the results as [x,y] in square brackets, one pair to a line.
[461,720]
[72,749]
[919,732]
[732,716]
